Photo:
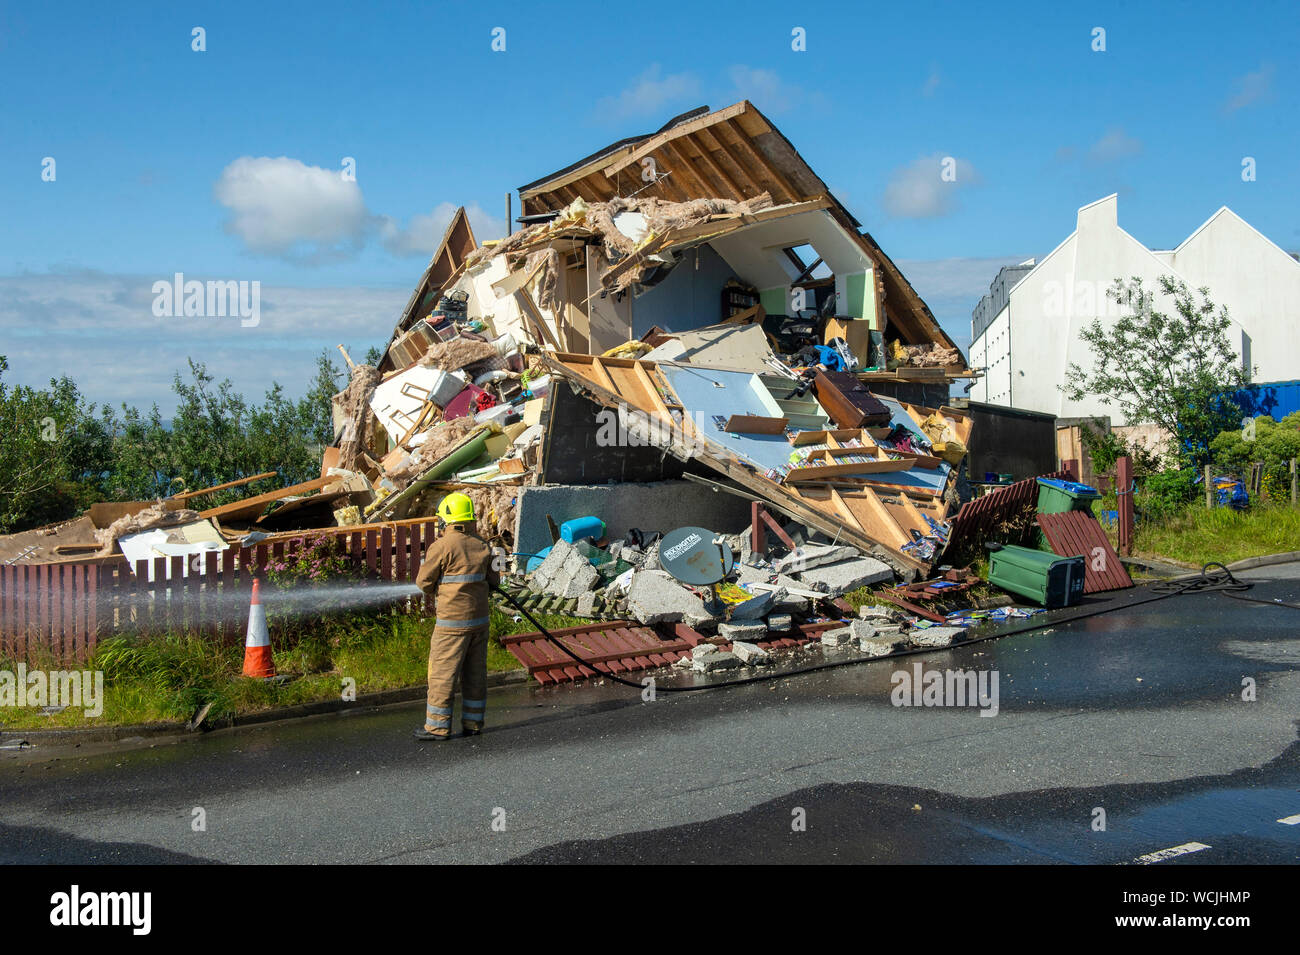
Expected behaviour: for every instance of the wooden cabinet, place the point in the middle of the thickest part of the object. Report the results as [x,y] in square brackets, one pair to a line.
[848,402]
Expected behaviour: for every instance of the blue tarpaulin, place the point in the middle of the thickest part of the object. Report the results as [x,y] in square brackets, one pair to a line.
[1276,399]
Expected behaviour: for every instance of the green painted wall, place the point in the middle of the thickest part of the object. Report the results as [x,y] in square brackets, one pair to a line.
[860,290]
[775,300]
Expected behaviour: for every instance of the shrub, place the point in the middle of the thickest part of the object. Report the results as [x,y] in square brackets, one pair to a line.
[1274,443]
[1166,493]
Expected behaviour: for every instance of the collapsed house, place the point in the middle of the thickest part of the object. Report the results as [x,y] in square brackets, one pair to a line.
[704,285]
[687,327]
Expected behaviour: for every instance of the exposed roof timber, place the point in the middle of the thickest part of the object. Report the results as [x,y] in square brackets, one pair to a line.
[680,163]
[667,183]
[685,129]
[456,245]
[597,159]
[686,152]
[457,242]
[750,186]
[784,189]
[733,153]
[724,177]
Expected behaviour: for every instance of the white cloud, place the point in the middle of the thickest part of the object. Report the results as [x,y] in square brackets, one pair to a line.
[1115,144]
[284,207]
[309,215]
[931,82]
[1252,88]
[920,191]
[766,90]
[100,330]
[650,94]
[421,235]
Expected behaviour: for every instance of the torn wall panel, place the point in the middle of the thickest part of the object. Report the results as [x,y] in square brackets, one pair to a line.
[668,419]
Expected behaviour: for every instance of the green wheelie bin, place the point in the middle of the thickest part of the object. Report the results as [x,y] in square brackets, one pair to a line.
[1040,576]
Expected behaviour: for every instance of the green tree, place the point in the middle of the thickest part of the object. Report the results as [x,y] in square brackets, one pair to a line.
[217,436]
[54,452]
[60,454]
[1170,369]
[140,468]
[317,406]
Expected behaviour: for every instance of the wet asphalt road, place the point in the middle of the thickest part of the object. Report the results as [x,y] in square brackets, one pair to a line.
[1136,714]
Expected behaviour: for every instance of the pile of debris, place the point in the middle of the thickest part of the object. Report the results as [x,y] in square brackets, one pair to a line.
[691,306]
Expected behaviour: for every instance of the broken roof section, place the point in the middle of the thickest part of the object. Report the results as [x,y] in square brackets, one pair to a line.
[734,153]
[456,245]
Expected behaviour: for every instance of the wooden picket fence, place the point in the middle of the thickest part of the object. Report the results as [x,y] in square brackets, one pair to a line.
[64,610]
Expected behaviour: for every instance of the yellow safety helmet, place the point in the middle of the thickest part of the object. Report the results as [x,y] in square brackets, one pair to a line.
[456,508]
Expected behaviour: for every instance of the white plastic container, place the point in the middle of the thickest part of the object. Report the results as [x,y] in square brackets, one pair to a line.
[497,413]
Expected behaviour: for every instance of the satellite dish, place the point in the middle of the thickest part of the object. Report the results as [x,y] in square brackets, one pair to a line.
[695,556]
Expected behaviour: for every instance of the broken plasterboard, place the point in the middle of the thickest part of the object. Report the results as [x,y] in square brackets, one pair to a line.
[735,347]
[187,540]
[398,402]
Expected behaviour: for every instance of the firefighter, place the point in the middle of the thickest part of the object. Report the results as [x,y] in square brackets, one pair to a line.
[457,571]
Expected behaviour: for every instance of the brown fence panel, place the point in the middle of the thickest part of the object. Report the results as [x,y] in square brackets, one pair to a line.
[68,609]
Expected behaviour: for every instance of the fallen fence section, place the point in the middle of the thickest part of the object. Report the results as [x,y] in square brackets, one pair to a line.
[623,646]
[1076,533]
[1007,511]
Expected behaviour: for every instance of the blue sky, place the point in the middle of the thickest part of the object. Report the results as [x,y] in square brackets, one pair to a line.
[215,163]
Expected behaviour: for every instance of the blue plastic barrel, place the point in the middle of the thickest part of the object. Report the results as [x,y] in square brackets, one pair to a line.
[582,528]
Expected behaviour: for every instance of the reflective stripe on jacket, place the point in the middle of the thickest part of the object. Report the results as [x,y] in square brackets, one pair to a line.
[458,571]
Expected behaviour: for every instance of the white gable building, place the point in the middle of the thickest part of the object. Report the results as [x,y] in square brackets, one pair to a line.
[1025,337]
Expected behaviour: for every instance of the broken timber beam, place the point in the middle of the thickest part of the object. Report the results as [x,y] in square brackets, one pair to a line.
[254,505]
[684,445]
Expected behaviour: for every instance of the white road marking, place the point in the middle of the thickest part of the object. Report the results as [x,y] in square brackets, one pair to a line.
[1291,820]
[1170,853]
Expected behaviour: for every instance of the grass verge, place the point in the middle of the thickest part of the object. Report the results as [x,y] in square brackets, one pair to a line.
[1198,535]
[166,678]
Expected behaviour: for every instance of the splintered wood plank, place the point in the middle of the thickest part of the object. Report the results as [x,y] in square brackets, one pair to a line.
[873,517]
[255,505]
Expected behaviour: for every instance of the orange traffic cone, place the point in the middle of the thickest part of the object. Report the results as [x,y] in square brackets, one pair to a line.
[257,646]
